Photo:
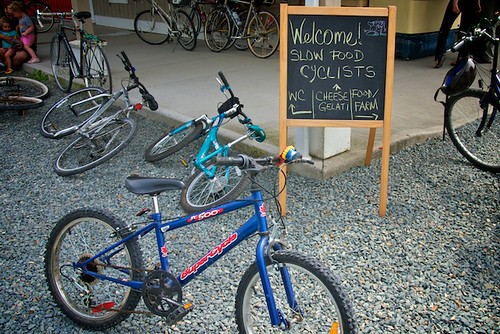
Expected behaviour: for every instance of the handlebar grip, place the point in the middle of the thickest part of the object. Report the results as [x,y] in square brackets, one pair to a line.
[458,45]
[229,161]
[226,84]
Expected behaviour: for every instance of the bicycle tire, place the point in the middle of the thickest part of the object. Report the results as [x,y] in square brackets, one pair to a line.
[47,21]
[241,43]
[86,153]
[152,27]
[19,103]
[60,62]
[325,305]
[463,114]
[173,141]
[195,17]
[187,37]
[22,86]
[202,193]
[263,30]
[217,30]
[97,72]
[64,114]
[77,237]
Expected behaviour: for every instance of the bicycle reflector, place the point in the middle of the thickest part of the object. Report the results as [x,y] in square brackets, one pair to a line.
[138,106]
[289,153]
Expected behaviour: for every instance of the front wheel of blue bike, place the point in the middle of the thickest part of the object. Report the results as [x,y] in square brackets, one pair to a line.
[202,193]
[87,300]
[314,302]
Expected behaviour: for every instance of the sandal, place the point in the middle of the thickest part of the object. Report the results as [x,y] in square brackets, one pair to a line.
[34,61]
[9,71]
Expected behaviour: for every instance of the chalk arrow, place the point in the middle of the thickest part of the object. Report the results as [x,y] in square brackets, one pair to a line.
[337,87]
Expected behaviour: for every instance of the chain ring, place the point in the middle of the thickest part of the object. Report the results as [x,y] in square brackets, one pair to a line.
[161,292]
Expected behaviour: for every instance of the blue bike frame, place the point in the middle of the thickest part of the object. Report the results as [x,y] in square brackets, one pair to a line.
[255,224]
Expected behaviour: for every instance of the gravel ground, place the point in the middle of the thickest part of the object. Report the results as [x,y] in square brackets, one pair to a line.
[430,266]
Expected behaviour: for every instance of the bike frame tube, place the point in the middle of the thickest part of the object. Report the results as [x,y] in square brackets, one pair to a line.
[255,223]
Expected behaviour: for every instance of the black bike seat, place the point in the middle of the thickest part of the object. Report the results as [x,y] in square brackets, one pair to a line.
[83,15]
[151,185]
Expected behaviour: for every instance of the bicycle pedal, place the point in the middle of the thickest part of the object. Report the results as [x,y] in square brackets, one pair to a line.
[179,313]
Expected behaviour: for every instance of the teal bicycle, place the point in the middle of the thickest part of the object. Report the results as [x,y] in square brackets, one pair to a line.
[209,185]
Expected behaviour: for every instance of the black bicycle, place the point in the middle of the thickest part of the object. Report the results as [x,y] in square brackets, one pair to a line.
[91,65]
[471,115]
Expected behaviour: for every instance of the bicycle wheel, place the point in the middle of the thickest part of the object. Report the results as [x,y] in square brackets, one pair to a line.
[186,33]
[71,111]
[217,30]
[195,16]
[60,61]
[96,70]
[320,305]
[264,36]
[173,141]
[46,21]
[21,86]
[101,145]
[464,116]
[85,299]
[19,102]
[202,193]
[241,43]
[152,27]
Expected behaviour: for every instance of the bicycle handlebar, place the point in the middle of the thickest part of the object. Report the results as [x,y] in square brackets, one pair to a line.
[288,156]
[473,36]
[226,84]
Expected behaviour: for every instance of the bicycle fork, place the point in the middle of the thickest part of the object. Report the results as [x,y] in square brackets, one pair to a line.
[276,315]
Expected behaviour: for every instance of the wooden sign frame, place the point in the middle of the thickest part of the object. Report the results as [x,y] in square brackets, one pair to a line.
[385,124]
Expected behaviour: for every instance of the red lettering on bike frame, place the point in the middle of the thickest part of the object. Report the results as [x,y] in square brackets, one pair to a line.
[217,250]
[205,215]
[262,210]
[164,252]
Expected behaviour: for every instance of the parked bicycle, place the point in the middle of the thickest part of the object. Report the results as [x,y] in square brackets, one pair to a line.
[208,185]
[196,11]
[471,115]
[102,127]
[157,26]
[20,93]
[259,29]
[97,276]
[91,65]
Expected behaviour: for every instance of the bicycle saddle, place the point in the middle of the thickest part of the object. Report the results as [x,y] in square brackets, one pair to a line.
[83,15]
[151,185]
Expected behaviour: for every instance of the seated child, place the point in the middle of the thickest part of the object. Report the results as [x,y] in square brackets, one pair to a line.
[26,30]
[9,36]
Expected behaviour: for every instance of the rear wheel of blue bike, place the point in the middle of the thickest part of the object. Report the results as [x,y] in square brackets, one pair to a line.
[60,61]
[173,141]
[474,130]
[71,111]
[202,193]
[317,302]
[88,152]
[87,300]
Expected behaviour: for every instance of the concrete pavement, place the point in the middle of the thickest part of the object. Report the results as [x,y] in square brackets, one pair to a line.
[184,85]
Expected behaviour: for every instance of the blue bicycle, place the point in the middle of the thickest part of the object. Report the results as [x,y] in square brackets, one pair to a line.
[209,185]
[96,274]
